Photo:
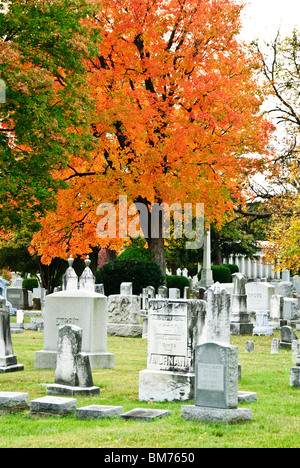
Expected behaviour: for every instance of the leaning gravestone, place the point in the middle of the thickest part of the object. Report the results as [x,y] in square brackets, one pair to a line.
[73,374]
[216,386]
[8,361]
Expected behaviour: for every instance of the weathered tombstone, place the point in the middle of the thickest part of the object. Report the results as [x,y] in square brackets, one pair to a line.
[206,273]
[70,279]
[99,288]
[249,347]
[8,361]
[275,346]
[174,293]
[295,349]
[124,313]
[295,374]
[52,405]
[11,402]
[175,328]
[240,320]
[259,296]
[262,326]
[218,314]
[186,293]
[290,309]
[216,386]
[98,412]
[87,279]
[73,375]
[18,297]
[162,292]
[285,289]
[276,310]
[287,335]
[87,310]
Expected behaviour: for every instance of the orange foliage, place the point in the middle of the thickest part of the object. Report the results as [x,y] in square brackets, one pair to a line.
[176,117]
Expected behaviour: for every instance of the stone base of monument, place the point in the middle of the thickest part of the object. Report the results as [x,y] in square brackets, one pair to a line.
[52,406]
[11,402]
[125,330]
[9,364]
[295,376]
[68,390]
[216,415]
[166,386]
[98,412]
[47,360]
[237,328]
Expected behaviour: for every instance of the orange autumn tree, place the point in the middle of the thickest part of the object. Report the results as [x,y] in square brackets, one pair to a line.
[177,119]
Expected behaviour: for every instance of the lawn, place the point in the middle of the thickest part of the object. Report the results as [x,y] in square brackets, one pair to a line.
[276,414]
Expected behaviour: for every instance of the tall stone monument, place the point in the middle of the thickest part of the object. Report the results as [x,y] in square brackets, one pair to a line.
[218,314]
[240,320]
[206,273]
[8,361]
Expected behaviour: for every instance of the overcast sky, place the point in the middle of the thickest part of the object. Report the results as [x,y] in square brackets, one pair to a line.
[263,18]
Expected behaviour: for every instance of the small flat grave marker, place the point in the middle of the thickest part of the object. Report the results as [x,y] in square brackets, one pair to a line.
[98,412]
[144,414]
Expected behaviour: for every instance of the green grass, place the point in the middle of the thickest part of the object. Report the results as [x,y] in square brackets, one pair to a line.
[276,414]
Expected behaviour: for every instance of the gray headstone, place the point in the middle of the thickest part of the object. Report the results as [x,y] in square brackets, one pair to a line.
[162,292]
[98,412]
[287,335]
[275,346]
[8,361]
[218,314]
[145,414]
[53,405]
[262,325]
[249,347]
[216,380]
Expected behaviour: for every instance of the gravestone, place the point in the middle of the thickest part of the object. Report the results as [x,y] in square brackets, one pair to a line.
[147,294]
[290,309]
[262,326]
[249,347]
[98,412]
[174,293]
[275,346]
[287,335]
[87,279]
[73,374]
[3,294]
[8,361]
[295,374]
[87,310]
[276,310]
[216,386]
[285,289]
[145,414]
[18,297]
[52,406]
[240,320]
[295,349]
[11,402]
[218,314]
[162,292]
[259,296]
[175,327]
[124,313]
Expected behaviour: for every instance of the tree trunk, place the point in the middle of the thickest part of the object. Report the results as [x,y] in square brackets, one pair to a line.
[157,253]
